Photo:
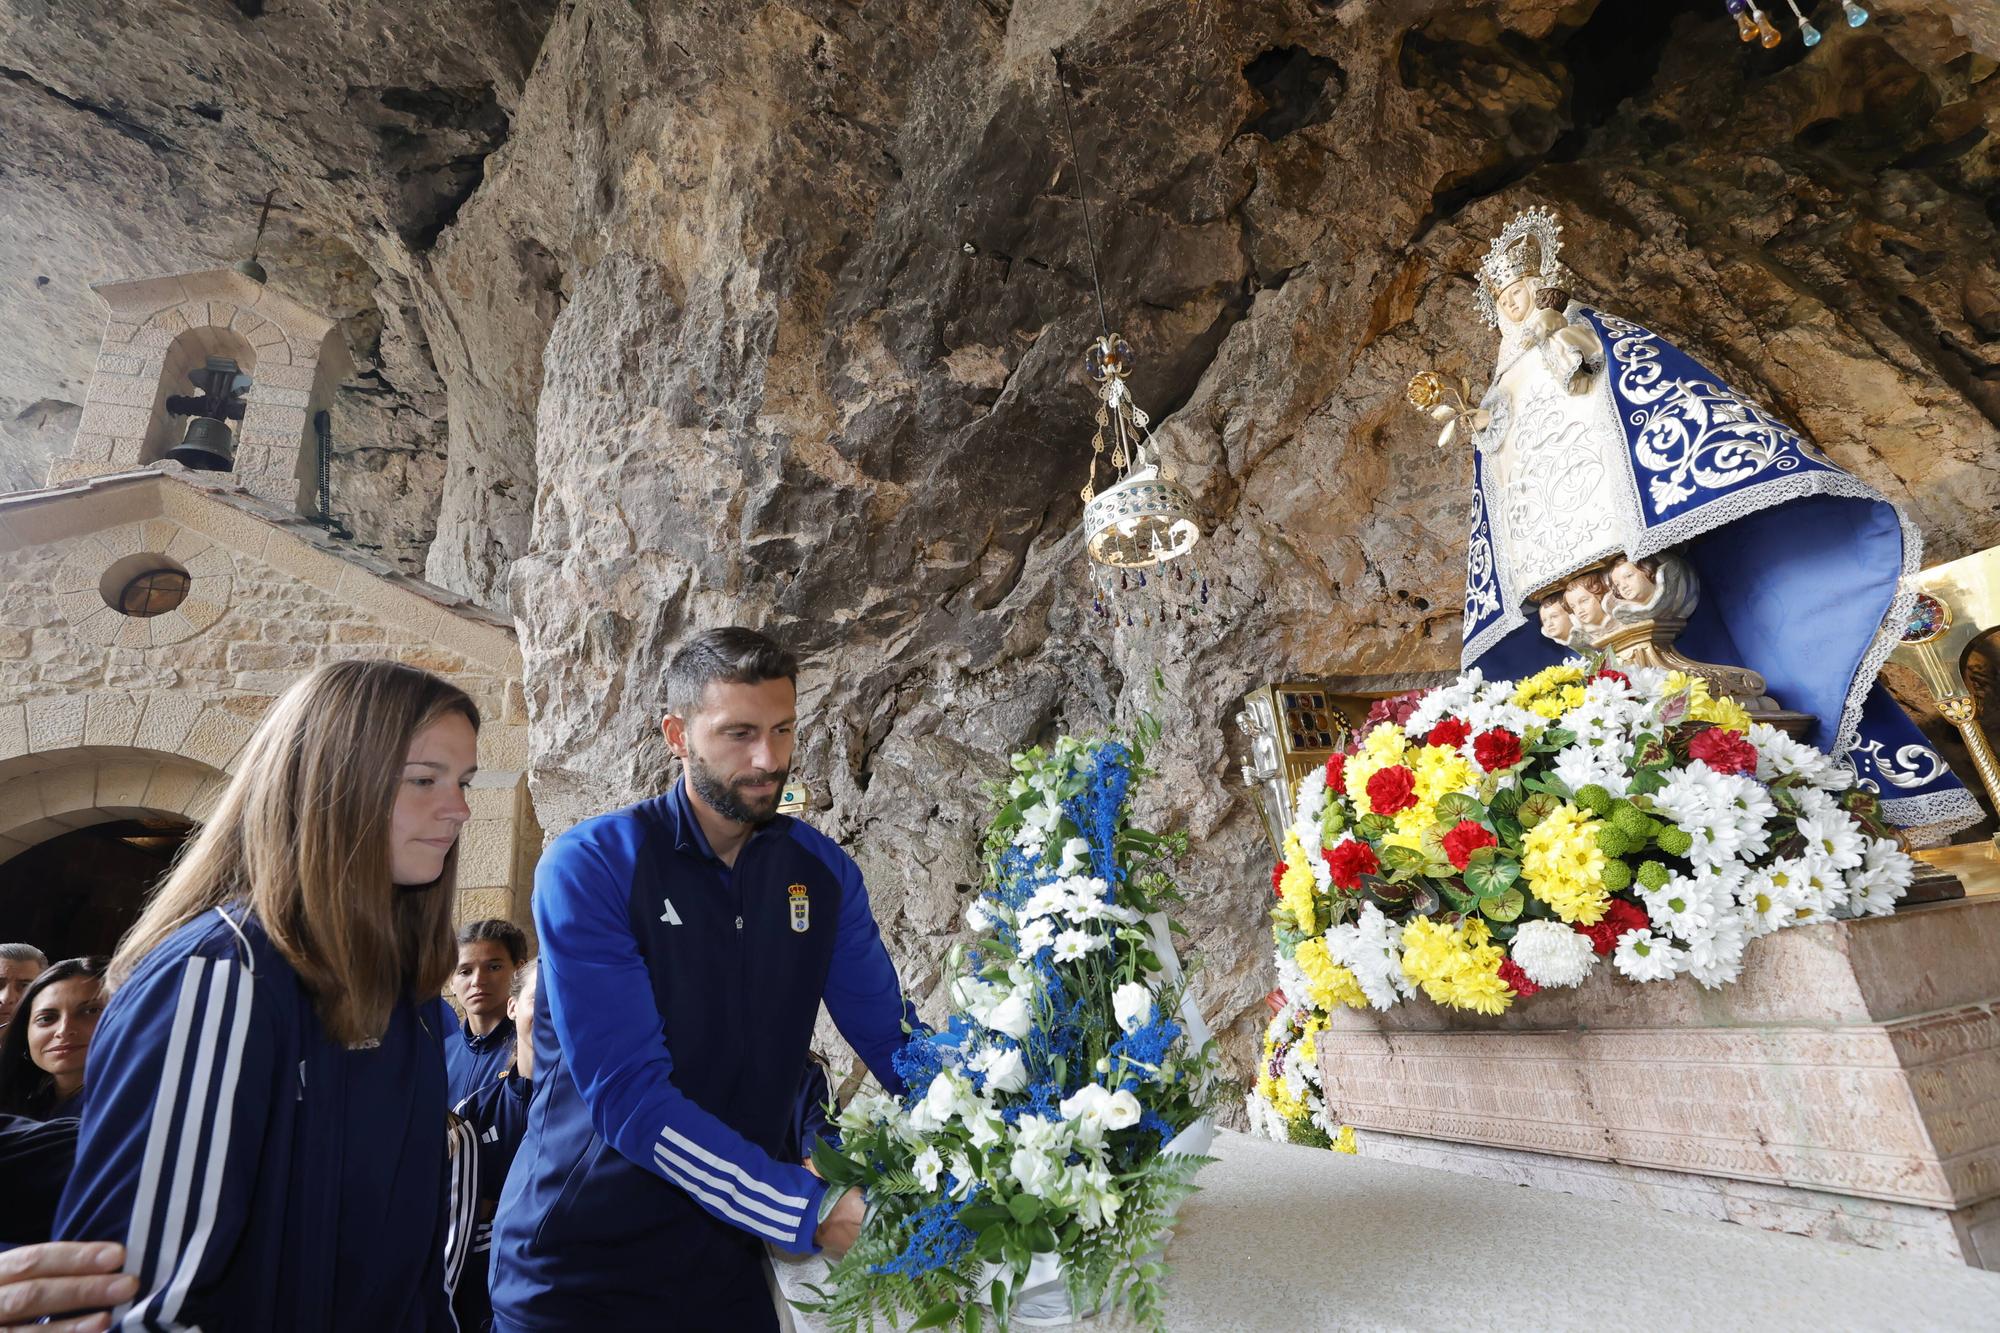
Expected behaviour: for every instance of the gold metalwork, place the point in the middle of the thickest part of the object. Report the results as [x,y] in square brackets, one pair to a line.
[1969,590]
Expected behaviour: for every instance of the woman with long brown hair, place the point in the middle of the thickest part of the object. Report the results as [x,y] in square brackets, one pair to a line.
[43,1052]
[265,1094]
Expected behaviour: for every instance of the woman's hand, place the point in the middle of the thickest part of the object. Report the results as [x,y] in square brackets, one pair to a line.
[60,1277]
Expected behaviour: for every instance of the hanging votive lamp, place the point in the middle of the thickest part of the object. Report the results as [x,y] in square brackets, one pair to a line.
[1144,522]
[1746,27]
[1856,15]
[1806,29]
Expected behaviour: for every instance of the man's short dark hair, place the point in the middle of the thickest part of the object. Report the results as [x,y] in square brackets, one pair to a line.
[503,933]
[732,655]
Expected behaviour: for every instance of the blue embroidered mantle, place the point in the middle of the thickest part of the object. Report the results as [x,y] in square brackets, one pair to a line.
[1801,564]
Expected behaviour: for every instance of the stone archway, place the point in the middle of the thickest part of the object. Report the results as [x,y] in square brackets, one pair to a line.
[85,835]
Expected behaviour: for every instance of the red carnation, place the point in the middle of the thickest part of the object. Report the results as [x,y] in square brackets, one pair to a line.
[1464,840]
[1277,878]
[1349,861]
[1392,789]
[1622,916]
[1496,749]
[1450,733]
[1516,979]
[1336,774]
[1608,674]
[1724,751]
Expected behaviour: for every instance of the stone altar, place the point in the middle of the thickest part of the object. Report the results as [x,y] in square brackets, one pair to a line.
[1848,1087]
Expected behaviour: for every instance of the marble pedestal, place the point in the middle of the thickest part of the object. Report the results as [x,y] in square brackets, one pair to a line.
[1847,1087]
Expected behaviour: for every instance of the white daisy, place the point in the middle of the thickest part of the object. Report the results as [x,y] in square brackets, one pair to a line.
[1607,765]
[1035,936]
[1685,905]
[1552,954]
[1834,836]
[1715,953]
[1770,898]
[1644,956]
[1879,882]
[1074,944]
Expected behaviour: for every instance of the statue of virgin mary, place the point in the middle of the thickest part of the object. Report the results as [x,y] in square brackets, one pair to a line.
[1599,444]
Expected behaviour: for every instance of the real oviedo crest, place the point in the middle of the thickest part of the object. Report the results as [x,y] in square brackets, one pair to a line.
[801,908]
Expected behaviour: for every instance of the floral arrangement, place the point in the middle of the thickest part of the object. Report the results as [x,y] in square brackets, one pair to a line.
[1488,840]
[1041,1119]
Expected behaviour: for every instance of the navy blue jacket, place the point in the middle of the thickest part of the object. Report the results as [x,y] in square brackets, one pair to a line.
[35,1161]
[498,1115]
[678,998]
[472,1064]
[259,1174]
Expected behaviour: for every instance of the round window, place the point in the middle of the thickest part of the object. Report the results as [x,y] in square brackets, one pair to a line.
[154,593]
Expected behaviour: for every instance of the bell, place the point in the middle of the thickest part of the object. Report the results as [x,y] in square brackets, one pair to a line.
[207,447]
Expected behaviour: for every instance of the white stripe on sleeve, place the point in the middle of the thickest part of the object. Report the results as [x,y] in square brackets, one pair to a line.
[686,1168]
[669,1135]
[722,1205]
[218,1135]
[138,1254]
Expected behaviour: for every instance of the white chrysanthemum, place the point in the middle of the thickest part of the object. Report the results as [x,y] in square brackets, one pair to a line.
[1074,944]
[1552,954]
[1724,813]
[1715,953]
[1816,803]
[1035,936]
[1307,804]
[1878,884]
[1049,900]
[1370,948]
[1292,981]
[1779,755]
[1770,898]
[1644,956]
[1647,681]
[1447,701]
[1822,890]
[1605,765]
[1685,905]
[1835,836]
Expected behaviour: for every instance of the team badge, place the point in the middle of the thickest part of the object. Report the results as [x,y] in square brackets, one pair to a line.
[801,908]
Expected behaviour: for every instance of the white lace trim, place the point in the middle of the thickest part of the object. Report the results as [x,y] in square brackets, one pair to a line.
[1928,820]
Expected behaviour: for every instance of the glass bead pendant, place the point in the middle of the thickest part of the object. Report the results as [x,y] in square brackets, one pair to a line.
[1746,27]
[1809,32]
[1856,15]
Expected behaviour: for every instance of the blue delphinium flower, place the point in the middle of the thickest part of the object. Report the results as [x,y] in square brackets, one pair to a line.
[937,1240]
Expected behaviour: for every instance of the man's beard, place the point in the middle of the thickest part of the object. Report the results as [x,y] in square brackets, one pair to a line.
[724,798]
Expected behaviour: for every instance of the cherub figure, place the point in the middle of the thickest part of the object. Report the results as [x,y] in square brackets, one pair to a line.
[1585,597]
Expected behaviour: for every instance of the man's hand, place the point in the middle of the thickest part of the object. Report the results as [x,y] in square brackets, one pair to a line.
[836,1234]
[60,1276]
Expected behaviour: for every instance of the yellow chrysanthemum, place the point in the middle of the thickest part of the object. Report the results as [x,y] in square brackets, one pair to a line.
[1297,885]
[1551,691]
[1705,707]
[1456,965]
[1344,1141]
[1330,983]
[1564,866]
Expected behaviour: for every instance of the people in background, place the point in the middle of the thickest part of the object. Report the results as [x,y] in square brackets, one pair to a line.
[42,1053]
[20,964]
[262,1127]
[687,943]
[490,953]
[498,1115]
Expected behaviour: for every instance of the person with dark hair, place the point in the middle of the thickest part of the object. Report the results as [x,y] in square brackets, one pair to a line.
[42,1054]
[498,1115]
[20,964]
[490,954]
[263,1130]
[687,944]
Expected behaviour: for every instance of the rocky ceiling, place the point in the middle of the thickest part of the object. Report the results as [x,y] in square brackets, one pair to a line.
[670,312]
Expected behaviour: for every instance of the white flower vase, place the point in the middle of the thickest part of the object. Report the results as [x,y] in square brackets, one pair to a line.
[1043,1297]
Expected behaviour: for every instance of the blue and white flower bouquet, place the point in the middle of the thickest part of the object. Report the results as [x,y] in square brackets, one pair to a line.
[1056,1120]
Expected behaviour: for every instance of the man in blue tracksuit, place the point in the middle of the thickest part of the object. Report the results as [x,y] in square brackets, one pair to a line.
[687,943]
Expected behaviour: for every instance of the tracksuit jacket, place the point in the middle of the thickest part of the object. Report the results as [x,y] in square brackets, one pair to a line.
[498,1117]
[678,998]
[260,1175]
[471,1064]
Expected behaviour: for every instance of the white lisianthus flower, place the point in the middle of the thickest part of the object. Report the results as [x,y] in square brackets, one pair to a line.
[1040,1133]
[1011,1016]
[1552,954]
[1035,1172]
[1037,822]
[1133,1005]
[867,1110]
[961,1175]
[1003,1068]
[1121,1110]
[977,919]
[928,1166]
[985,1129]
[1074,944]
[1075,856]
[1036,936]
[1083,1109]
[974,996]
[1645,956]
[1097,1198]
